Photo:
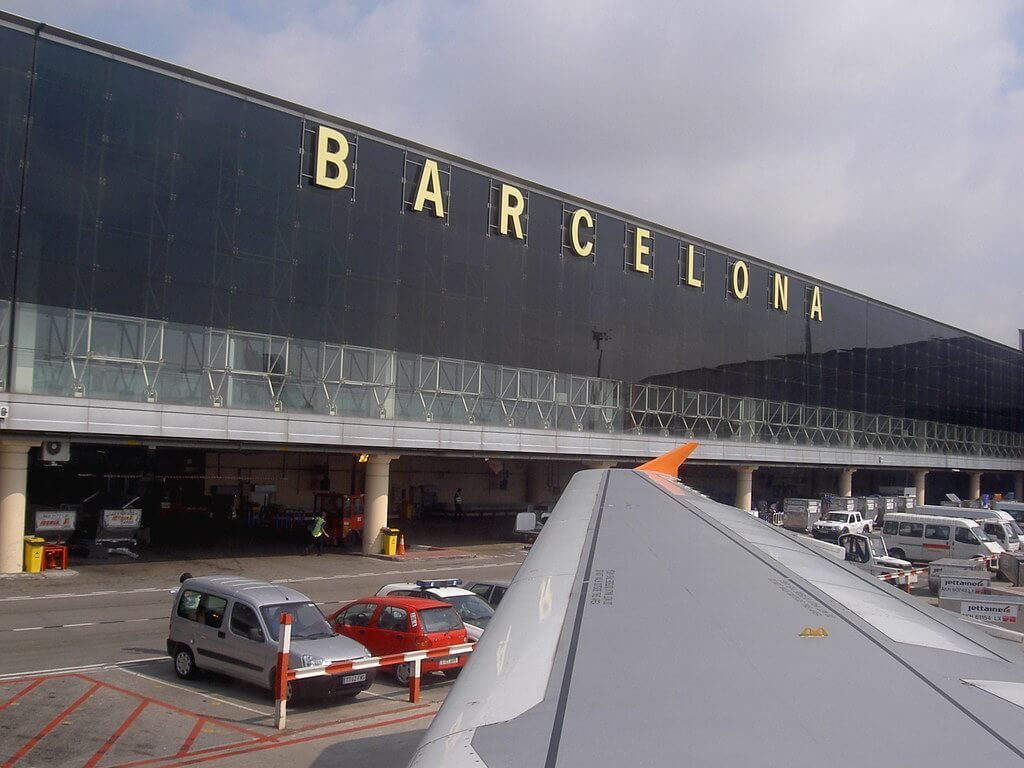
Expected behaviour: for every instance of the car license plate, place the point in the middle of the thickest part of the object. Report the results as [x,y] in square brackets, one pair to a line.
[448,660]
[347,679]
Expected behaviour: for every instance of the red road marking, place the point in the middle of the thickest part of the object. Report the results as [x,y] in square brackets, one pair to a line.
[315,726]
[117,734]
[174,708]
[191,737]
[52,724]
[22,692]
[228,751]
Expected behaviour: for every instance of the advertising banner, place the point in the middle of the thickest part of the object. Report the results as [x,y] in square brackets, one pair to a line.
[1005,614]
[963,586]
[54,521]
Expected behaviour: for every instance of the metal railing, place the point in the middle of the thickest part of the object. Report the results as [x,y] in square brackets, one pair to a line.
[133,359]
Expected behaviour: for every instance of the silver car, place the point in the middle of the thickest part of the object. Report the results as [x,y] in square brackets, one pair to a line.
[231,625]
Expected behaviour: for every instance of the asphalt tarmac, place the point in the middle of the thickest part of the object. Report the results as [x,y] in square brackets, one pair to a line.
[85,681]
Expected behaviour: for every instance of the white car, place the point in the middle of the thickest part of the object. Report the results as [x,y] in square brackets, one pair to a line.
[473,609]
[832,525]
[491,591]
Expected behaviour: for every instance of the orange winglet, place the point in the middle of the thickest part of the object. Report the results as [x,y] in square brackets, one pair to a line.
[669,463]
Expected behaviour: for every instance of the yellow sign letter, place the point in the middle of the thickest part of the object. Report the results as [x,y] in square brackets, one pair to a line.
[429,188]
[815,312]
[580,249]
[641,249]
[740,280]
[691,279]
[331,152]
[511,209]
[780,292]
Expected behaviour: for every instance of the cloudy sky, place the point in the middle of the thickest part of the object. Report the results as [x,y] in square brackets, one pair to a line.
[877,145]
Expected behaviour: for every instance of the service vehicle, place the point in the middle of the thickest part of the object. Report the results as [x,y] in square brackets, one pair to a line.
[231,625]
[868,551]
[998,524]
[343,515]
[913,536]
[491,591]
[389,625]
[832,525]
[474,611]
[1014,509]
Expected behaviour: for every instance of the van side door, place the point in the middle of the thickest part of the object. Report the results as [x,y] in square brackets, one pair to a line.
[210,633]
[966,545]
[911,537]
[245,645]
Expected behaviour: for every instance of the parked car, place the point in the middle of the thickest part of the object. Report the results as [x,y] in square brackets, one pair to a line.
[389,625]
[491,591]
[230,625]
[832,525]
[474,611]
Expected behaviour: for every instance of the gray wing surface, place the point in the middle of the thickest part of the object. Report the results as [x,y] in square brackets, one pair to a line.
[652,626]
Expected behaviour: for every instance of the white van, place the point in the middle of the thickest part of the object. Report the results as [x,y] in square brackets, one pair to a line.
[230,625]
[1014,509]
[913,536]
[996,523]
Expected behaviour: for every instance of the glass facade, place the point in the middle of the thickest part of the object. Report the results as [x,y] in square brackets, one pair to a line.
[163,238]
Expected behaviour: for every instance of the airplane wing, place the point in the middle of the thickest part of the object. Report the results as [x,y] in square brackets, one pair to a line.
[652,626]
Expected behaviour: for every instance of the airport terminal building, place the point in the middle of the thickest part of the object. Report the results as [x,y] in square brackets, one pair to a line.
[257,291]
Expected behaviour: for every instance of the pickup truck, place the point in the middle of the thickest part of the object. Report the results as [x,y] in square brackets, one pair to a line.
[832,525]
[869,552]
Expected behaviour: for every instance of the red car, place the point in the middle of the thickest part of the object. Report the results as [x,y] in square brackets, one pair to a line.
[388,625]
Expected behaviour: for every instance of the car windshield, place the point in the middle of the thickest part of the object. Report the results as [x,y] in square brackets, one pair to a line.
[982,536]
[472,608]
[440,620]
[877,547]
[307,621]
[835,517]
[1017,532]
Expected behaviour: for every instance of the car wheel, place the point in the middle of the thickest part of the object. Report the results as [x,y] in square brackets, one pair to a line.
[897,553]
[402,673]
[292,691]
[184,663]
[353,539]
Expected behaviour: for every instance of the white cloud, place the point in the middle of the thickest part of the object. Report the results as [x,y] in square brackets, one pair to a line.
[875,145]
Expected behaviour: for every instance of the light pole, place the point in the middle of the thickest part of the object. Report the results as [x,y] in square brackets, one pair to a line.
[598,337]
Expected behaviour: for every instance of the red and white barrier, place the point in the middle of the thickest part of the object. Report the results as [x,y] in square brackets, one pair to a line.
[905,578]
[281,677]
[413,658]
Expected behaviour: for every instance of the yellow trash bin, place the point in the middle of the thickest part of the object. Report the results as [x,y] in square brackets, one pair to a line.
[34,554]
[390,540]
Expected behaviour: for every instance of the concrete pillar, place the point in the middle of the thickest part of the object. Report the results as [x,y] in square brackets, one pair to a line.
[744,486]
[378,472]
[919,485]
[974,489]
[13,479]
[1018,486]
[846,481]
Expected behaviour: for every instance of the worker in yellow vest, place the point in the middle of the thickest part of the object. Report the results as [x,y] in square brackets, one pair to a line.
[316,530]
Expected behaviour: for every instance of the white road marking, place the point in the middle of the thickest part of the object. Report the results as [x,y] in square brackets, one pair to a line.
[416,568]
[84,667]
[197,692]
[25,629]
